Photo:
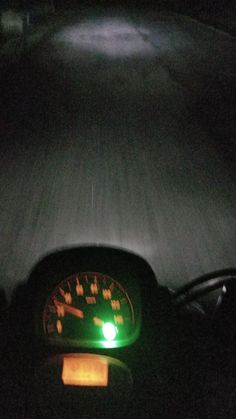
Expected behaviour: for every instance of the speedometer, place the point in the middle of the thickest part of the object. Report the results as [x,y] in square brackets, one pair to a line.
[89,309]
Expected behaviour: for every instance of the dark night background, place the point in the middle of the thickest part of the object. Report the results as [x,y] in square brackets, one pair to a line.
[118,128]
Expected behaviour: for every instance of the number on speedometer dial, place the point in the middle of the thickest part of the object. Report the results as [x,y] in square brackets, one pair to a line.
[91,310]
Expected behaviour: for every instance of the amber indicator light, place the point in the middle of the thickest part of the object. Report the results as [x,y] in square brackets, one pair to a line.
[85,371]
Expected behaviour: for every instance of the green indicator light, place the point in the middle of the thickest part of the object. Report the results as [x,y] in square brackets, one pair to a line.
[109,331]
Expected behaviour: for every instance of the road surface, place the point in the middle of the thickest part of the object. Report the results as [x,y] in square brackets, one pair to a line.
[117,129]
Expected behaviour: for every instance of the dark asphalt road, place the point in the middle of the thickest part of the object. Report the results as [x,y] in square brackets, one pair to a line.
[118,130]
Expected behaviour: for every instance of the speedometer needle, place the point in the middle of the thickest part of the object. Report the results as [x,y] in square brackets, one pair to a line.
[69,309]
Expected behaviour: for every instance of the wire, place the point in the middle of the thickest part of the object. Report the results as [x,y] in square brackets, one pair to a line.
[203,285]
[204,278]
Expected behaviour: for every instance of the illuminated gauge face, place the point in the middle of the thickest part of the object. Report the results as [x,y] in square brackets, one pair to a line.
[91,310]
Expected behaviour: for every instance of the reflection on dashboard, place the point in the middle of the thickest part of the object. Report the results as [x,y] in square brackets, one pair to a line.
[89,309]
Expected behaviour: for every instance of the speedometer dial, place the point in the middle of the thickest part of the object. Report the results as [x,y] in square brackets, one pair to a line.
[89,309]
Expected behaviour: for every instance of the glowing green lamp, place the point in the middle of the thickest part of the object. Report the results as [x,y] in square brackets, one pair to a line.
[109,331]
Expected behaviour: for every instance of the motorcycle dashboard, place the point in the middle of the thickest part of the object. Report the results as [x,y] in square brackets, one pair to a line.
[92,331]
[89,297]
[90,309]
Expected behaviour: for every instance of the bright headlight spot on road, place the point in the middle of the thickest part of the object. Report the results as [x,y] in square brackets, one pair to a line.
[110,37]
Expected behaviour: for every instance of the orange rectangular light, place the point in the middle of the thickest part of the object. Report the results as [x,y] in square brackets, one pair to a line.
[85,371]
